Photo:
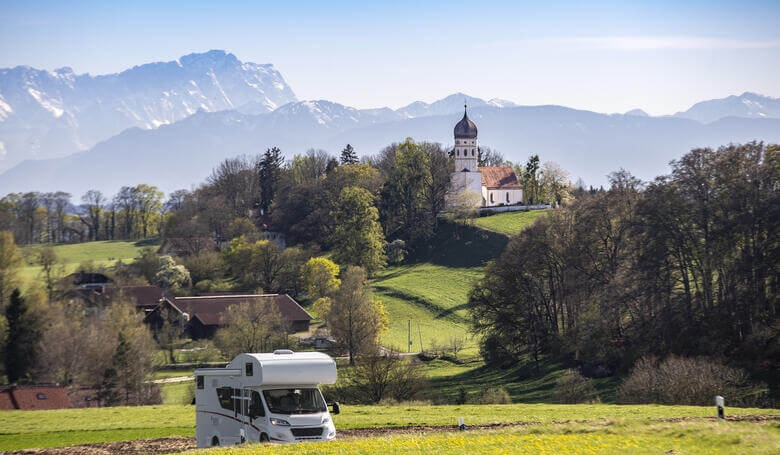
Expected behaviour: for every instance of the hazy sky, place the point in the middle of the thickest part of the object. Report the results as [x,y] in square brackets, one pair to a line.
[661,56]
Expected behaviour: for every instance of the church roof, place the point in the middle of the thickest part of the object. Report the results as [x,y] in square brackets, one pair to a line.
[465,129]
[499,177]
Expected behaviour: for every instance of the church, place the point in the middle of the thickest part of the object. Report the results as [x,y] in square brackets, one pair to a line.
[494,185]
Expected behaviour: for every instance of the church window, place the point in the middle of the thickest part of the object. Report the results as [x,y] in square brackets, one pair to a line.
[491,198]
[507,196]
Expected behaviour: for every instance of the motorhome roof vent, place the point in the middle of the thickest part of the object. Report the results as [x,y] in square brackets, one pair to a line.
[283,351]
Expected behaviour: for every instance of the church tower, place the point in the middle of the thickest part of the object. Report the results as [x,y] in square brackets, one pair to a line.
[466,144]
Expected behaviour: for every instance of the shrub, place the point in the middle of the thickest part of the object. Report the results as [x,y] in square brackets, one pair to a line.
[689,380]
[382,376]
[204,266]
[396,251]
[572,387]
[494,395]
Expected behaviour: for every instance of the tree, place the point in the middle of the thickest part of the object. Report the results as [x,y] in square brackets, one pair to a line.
[357,238]
[268,172]
[440,167]
[319,277]
[24,332]
[62,347]
[10,263]
[171,276]
[354,320]
[251,327]
[490,157]
[255,264]
[530,180]
[47,259]
[405,208]
[149,204]
[122,363]
[169,333]
[348,155]
[93,201]
[555,183]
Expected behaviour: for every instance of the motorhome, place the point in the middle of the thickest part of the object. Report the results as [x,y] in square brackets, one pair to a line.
[265,397]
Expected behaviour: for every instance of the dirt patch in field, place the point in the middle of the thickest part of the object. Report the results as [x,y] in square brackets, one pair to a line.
[180,443]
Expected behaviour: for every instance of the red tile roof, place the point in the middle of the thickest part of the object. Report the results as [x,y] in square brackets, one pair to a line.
[34,397]
[209,309]
[499,177]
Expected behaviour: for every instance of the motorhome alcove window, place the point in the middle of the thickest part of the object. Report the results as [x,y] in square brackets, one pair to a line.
[225,395]
[294,401]
[200,382]
[249,368]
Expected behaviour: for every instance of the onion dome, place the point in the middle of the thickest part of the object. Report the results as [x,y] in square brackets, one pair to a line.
[465,129]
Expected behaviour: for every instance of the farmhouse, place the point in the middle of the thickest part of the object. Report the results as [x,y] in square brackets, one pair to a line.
[201,316]
[485,186]
[145,297]
[33,397]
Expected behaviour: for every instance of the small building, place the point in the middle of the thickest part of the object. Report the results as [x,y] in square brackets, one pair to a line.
[201,316]
[34,397]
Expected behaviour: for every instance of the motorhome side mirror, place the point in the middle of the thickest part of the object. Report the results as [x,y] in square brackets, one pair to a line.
[336,408]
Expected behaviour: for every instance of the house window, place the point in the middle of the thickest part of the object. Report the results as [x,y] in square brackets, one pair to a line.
[41,396]
[248,368]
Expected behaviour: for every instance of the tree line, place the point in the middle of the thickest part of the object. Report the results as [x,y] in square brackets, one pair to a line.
[33,217]
[685,264]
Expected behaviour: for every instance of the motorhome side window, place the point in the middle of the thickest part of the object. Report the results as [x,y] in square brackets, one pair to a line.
[200,382]
[225,395]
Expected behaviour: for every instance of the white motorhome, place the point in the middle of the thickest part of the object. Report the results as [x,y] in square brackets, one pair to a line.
[265,397]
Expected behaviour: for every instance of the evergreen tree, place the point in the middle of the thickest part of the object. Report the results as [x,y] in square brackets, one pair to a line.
[348,155]
[107,393]
[268,173]
[122,364]
[24,332]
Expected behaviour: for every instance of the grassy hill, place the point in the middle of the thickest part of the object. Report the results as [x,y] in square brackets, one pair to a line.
[431,289]
[71,255]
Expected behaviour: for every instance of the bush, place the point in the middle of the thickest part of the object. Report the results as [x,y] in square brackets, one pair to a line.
[573,388]
[494,395]
[204,266]
[691,381]
[381,376]
[396,252]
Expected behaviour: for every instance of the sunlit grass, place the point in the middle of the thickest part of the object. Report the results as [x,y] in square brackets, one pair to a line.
[509,223]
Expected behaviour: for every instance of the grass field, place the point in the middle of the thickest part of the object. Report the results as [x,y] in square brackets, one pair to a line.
[509,223]
[607,439]
[24,429]
[71,255]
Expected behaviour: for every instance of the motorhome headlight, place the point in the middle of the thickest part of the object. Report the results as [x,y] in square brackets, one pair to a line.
[325,419]
[280,422]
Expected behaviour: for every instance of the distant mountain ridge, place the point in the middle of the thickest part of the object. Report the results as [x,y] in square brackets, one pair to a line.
[46,114]
[747,105]
[183,154]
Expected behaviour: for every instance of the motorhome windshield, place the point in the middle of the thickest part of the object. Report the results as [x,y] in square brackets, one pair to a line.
[294,401]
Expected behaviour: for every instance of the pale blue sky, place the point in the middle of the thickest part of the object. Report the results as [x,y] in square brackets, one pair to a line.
[661,56]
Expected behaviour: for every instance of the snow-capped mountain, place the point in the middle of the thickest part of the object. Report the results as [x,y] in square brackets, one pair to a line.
[46,114]
[749,105]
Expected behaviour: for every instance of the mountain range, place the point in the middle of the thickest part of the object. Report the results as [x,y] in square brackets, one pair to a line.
[168,124]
